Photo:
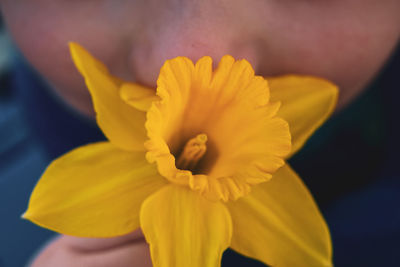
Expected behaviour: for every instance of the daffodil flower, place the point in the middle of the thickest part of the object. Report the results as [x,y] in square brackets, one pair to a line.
[199,165]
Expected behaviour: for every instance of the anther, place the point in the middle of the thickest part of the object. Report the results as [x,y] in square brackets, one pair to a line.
[193,151]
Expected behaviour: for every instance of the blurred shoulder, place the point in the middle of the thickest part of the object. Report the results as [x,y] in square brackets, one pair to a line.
[22,160]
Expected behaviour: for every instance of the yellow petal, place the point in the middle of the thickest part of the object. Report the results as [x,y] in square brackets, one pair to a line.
[120,122]
[280,224]
[165,116]
[184,229]
[306,103]
[93,191]
[138,96]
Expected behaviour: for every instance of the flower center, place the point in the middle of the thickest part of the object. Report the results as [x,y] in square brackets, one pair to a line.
[192,152]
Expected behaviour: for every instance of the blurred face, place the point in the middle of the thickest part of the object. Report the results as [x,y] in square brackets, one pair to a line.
[346,41]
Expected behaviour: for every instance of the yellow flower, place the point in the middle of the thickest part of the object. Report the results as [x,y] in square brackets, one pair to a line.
[199,166]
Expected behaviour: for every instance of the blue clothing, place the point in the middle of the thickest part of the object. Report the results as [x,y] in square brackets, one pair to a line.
[22,160]
[349,165]
[35,128]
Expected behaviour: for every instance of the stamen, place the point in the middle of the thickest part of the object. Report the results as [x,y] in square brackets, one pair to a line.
[193,151]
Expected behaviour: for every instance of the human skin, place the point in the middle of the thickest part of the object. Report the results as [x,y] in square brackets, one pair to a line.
[345,41]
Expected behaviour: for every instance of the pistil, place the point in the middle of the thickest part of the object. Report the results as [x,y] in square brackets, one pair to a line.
[193,151]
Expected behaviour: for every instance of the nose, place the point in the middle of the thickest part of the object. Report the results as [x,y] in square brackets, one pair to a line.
[190,34]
